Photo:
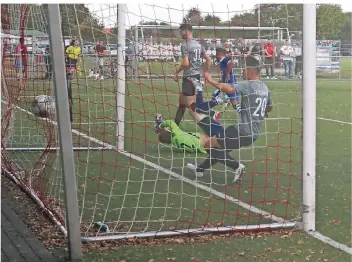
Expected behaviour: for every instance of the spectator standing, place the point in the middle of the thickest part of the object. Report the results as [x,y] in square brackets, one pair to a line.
[99,60]
[20,64]
[269,58]
[287,57]
[298,59]
[256,49]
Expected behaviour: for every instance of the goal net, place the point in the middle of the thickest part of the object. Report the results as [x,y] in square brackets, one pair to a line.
[134,185]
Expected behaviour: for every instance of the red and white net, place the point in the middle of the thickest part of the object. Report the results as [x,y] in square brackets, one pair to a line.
[145,187]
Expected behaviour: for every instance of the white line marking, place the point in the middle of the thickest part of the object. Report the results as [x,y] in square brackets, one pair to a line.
[152,121]
[331,242]
[268,119]
[333,120]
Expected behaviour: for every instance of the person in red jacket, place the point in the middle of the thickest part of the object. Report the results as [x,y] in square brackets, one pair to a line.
[269,54]
[21,52]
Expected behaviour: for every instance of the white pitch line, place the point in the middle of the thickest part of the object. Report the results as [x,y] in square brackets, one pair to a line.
[333,120]
[153,121]
[268,119]
[331,242]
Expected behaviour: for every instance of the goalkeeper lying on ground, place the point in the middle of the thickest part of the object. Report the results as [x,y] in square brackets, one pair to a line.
[170,133]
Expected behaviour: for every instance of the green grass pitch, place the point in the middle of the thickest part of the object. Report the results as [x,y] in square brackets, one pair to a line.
[131,195]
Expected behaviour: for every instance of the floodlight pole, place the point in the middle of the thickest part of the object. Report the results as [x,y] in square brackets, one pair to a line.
[121,77]
[65,134]
[309,116]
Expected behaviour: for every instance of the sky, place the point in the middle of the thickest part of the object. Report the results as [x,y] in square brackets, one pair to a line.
[172,12]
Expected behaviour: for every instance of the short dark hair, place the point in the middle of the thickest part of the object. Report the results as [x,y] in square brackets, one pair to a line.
[187,27]
[165,137]
[22,40]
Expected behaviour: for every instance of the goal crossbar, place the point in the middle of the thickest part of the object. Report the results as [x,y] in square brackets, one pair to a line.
[203,27]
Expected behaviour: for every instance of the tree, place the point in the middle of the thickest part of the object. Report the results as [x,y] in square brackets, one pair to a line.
[76,20]
[211,20]
[193,17]
[345,33]
[282,15]
[330,19]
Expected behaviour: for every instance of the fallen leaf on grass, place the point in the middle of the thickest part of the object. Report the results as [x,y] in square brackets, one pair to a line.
[179,240]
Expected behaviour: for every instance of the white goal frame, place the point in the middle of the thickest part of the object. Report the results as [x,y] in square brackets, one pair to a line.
[308,133]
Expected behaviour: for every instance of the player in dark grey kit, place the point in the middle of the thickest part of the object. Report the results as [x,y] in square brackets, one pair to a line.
[192,53]
[254,106]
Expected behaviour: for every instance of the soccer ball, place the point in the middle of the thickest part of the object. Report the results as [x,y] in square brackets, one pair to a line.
[43,106]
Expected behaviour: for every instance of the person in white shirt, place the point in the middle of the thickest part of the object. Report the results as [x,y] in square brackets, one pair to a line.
[213,56]
[287,53]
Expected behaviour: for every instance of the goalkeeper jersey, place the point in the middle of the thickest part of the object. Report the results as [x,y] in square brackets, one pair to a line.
[189,142]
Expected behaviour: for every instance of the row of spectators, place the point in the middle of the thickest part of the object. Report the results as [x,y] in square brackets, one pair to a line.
[288,55]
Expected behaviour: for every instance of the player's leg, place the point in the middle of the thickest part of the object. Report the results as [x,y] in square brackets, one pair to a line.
[203,107]
[218,152]
[186,98]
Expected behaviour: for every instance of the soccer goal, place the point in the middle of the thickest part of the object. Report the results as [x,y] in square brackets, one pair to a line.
[128,183]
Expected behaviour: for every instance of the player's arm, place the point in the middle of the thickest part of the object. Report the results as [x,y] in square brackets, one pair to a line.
[269,106]
[224,87]
[207,60]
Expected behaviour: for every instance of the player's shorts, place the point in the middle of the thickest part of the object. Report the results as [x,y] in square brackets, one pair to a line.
[188,89]
[231,139]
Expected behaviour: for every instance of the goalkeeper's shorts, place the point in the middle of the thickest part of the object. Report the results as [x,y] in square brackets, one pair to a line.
[231,139]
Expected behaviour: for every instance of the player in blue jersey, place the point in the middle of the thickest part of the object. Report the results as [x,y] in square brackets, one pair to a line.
[225,65]
[253,107]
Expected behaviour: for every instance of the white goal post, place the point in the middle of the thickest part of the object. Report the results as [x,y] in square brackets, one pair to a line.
[309,127]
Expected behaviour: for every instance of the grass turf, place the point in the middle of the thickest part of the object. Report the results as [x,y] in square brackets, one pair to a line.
[130,196]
